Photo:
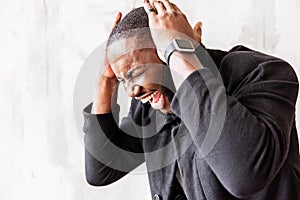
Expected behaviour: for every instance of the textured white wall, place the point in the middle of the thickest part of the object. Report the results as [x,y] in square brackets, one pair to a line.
[43,44]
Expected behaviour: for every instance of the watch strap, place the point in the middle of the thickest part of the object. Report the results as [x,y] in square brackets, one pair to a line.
[169,50]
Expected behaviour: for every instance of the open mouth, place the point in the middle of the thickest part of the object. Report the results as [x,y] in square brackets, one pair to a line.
[152,98]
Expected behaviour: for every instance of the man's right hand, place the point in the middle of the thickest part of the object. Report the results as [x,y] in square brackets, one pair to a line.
[106,84]
[108,73]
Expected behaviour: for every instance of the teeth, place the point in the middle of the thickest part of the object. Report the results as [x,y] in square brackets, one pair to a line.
[149,97]
[144,100]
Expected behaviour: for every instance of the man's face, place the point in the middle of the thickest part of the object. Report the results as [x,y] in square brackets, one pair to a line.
[141,72]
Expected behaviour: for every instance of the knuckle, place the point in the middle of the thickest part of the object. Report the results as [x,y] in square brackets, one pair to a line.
[175,13]
[164,15]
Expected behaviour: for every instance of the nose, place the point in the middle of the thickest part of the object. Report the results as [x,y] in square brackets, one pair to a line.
[134,90]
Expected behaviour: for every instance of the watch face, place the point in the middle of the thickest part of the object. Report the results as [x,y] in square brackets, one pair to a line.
[184,44]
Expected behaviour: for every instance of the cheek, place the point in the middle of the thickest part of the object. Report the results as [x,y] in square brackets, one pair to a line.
[156,73]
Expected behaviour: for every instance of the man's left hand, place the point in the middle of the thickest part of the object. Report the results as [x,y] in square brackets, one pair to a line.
[167,22]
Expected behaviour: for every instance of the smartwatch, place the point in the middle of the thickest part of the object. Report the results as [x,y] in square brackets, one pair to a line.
[183,46]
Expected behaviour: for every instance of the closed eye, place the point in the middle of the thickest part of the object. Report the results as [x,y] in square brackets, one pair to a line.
[138,73]
[132,74]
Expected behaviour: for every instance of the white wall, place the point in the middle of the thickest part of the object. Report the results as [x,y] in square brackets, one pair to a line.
[43,44]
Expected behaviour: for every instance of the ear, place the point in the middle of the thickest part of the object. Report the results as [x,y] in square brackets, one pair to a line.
[198,31]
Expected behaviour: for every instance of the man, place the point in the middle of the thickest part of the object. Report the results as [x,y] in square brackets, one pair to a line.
[200,139]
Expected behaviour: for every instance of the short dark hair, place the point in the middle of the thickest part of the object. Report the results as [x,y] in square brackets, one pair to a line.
[134,24]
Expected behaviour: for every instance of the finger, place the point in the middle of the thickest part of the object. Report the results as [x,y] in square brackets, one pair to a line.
[199,25]
[117,20]
[179,11]
[168,5]
[159,6]
[147,7]
[176,8]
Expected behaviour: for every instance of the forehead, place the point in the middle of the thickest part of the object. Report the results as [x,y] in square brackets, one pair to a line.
[125,46]
[126,54]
